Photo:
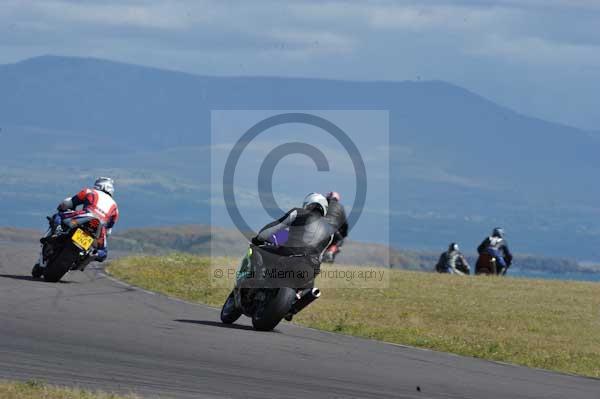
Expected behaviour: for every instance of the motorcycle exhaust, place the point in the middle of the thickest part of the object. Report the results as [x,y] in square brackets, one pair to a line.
[306,298]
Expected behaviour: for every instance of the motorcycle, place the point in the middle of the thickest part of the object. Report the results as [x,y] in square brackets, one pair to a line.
[69,244]
[463,269]
[262,299]
[488,265]
[330,253]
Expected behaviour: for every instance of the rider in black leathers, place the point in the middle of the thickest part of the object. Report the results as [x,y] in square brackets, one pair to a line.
[309,235]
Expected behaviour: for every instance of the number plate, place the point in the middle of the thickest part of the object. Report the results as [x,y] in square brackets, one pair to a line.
[82,239]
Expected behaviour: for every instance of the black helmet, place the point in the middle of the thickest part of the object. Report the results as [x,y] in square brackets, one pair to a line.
[453,247]
[498,232]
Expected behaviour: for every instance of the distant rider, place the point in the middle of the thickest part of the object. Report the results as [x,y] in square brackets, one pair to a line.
[453,261]
[98,200]
[336,216]
[308,236]
[497,247]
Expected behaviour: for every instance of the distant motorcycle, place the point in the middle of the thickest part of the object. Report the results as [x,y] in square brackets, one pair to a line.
[69,245]
[256,297]
[330,253]
[463,269]
[461,266]
[488,265]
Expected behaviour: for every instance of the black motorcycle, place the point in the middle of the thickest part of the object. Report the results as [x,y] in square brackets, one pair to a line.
[488,265]
[69,244]
[260,296]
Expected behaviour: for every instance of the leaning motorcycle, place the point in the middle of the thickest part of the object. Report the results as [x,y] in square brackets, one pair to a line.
[330,253]
[69,244]
[260,296]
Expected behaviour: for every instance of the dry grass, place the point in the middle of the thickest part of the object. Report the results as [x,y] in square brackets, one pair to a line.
[38,390]
[539,323]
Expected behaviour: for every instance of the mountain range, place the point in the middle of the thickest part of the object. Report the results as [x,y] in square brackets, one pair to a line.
[459,163]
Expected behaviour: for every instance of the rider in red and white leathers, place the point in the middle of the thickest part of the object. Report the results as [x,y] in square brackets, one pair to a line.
[99,201]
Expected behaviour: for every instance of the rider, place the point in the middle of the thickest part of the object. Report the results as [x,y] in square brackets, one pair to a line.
[308,237]
[97,200]
[336,216]
[496,246]
[453,261]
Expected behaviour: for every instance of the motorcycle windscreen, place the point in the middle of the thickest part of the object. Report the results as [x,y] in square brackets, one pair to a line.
[280,237]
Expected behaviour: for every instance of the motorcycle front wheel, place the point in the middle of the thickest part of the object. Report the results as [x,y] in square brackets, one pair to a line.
[266,318]
[229,312]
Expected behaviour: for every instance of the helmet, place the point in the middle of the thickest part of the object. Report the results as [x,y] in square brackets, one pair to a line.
[453,247]
[335,195]
[498,232]
[105,184]
[317,199]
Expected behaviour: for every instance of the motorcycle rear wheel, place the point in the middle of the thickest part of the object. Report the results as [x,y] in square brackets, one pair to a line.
[59,266]
[274,310]
[37,271]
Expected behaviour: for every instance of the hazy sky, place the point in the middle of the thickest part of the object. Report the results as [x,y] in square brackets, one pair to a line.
[540,57]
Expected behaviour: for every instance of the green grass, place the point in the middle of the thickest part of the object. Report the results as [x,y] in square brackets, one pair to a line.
[38,390]
[553,325]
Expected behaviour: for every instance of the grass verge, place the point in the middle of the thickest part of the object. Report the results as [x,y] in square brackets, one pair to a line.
[39,390]
[553,325]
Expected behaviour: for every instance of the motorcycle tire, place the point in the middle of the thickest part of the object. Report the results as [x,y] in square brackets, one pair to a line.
[59,266]
[274,310]
[229,312]
[37,271]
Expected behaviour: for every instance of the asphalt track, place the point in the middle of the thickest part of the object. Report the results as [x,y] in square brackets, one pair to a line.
[94,332]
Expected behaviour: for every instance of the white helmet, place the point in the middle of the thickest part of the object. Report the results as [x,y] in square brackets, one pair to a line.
[105,184]
[318,199]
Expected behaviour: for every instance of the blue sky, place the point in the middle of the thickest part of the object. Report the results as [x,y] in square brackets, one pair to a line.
[540,57]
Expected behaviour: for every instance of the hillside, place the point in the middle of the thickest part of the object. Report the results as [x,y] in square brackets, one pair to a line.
[460,164]
[204,240]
